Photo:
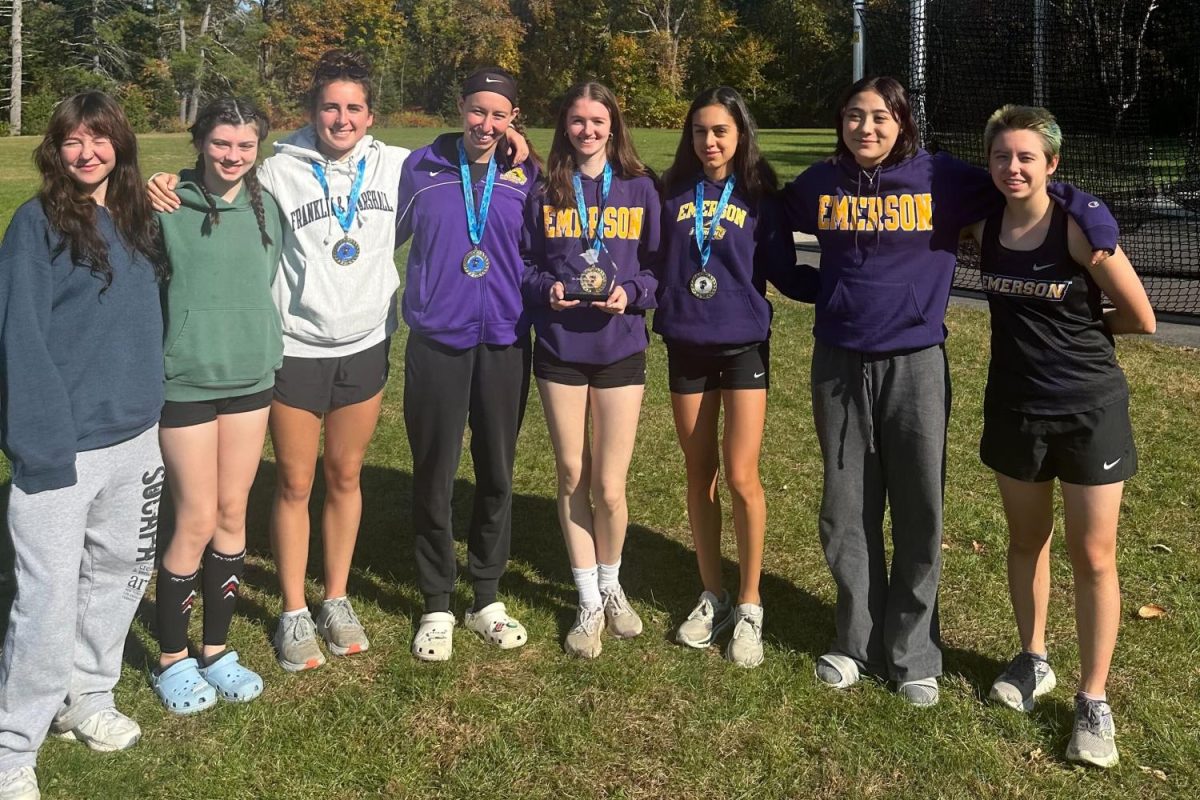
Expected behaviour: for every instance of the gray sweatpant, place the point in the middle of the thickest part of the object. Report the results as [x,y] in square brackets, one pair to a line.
[84,555]
[881,423]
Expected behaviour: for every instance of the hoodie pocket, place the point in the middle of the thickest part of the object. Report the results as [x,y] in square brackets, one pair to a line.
[225,348]
[875,304]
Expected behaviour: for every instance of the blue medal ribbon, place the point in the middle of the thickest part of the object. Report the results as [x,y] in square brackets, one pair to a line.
[476,224]
[345,217]
[584,227]
[704,243]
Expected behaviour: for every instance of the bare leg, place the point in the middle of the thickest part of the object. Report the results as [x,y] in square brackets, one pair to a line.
[566,409]
[615,415]
[745,416]
[696,418]
[296,438]
[348,432]
[1091,514]
[1029,508]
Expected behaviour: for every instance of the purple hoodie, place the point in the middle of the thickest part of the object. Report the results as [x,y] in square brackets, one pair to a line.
[554,252]
[889,242]
[749,248]
[441,301]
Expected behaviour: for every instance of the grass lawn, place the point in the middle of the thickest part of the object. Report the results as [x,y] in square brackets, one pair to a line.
[650,719]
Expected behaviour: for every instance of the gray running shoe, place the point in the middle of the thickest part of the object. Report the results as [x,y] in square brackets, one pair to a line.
[19,784]
[1025,679]
[619,617]
[745,647]
[920,693]
[709,619]
[583,640]
[296,643]
[339,627]
[1094,740]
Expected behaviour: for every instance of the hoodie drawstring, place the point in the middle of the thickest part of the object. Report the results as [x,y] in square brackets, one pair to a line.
[869,403]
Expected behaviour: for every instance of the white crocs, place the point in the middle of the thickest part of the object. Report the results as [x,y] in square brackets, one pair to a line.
[493,624]
[435,636]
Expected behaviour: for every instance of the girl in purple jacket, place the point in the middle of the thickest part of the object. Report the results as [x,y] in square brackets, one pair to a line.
[591,237]
[721,242]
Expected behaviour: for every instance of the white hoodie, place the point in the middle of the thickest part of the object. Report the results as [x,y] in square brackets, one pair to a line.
[331,310]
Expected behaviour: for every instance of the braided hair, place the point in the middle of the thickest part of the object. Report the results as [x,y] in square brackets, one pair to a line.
[231,111]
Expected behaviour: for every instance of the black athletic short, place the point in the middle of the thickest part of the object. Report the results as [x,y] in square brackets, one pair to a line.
[324,384]
[629,371]
[691,371]
[1090,448]
[179,414]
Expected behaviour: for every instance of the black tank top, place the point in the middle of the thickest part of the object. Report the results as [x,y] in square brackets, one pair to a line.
[1051,352]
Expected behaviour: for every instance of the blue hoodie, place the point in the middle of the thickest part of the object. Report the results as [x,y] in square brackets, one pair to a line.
[749,248]
[79,370]
[889,243]
[441,302]
[554,252]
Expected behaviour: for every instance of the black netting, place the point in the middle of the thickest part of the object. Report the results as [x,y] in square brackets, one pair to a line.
[1124,85]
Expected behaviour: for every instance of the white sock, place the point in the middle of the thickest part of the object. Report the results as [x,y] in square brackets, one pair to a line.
[610,576]
[587,582]
[750,610]
[296,613]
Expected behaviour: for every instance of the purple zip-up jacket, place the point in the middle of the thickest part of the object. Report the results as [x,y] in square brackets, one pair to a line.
[749,248]
[554,252]
[889,242]
[441,301]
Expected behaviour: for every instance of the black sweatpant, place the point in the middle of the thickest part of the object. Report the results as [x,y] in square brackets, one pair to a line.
[445,390]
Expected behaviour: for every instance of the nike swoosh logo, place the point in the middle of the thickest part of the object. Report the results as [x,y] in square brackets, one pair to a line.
[434,173]
[1113,464]
[492,80]
[759,374]
[1040,267]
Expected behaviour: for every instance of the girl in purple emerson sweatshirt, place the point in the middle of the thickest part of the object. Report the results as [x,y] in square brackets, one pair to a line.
[888,215]
[721,242]
[591,237]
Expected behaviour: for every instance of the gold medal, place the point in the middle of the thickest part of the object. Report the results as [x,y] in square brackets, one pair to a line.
[593,280]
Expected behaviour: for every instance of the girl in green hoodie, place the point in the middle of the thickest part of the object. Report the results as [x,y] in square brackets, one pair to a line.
[223,342]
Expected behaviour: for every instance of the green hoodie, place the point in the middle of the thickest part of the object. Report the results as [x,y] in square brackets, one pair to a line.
[222,332]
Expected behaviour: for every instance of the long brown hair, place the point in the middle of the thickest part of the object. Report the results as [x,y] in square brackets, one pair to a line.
[231,111]
[560,166]
[71,213]
[754,174]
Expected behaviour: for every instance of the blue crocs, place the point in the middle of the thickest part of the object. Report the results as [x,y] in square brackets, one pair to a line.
[235,683]
[182,689]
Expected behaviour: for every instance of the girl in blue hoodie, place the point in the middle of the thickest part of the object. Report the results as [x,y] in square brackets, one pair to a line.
[81,383]
[722,240]
[463,204]
[591,236]
[887,215]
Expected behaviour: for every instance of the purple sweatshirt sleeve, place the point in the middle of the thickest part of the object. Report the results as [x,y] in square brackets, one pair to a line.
[775,255]
[642,288]
[964,194]
[404,202]
[796,206]
[536,282]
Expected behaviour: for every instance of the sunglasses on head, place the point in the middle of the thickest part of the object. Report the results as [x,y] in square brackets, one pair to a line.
[341,69]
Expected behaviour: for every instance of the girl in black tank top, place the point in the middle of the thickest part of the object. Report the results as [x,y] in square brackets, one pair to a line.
[1056,406]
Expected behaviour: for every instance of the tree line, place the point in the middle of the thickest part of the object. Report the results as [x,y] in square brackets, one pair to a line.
[165,58]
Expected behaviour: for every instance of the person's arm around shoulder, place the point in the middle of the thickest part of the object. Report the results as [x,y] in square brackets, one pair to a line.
[1092,217]
[37,424]
[641,290]
[161,190]
[1115,276]
[797,203]
[405,197]
[775,255]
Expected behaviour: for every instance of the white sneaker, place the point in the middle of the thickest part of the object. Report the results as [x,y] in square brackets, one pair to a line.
[435,636]
[711,617]
[745,648]
[105,731]
[19,784]
[493,624]
[583,640]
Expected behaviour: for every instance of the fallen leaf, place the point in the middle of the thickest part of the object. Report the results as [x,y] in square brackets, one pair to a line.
[978,547]
[1034,755]
[1162,548]
[945,546]
[1151,611]
[1157,773]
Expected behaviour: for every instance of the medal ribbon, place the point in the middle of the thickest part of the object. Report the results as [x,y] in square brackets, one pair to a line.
[605,186]
[344,218]
[476,225]
[704,243]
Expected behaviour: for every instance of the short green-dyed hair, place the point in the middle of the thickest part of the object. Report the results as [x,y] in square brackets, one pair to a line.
[1024,118]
